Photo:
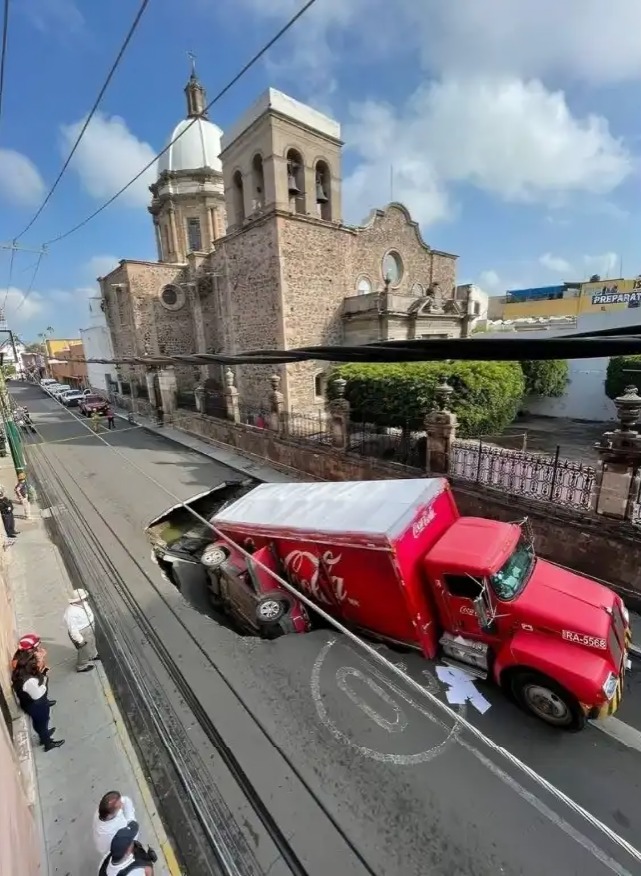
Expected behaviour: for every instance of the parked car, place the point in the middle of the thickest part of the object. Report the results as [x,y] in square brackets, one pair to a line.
[51,387]
[91,404]
[47,381]
[72,397]
[59,390]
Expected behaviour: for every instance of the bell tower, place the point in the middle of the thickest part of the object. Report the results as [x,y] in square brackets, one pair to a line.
[282,156]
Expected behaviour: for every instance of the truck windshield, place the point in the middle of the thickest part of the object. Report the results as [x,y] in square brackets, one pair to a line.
[514,574]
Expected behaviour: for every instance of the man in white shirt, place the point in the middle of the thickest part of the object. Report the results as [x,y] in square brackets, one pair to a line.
[121,861]
[80,625]
[115,812]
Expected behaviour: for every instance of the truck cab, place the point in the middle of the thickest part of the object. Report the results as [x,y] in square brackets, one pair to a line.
[554,640]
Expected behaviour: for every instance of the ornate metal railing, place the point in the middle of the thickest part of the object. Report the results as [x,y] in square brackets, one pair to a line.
[533,475]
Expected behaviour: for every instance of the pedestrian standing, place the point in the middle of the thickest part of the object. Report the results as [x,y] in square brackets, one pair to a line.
[6,512]
[121,860]
[22,494]
[111,420]
[80,627]
[29,684]
[114,812]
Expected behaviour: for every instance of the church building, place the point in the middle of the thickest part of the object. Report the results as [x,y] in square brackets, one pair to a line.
[253,253]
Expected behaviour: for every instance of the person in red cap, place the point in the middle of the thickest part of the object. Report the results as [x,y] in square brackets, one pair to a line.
[31,642]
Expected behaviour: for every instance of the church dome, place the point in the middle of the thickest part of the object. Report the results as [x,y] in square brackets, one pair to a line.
[199,143]
[198,147]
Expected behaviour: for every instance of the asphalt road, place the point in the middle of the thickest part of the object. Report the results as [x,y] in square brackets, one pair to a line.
[345,755]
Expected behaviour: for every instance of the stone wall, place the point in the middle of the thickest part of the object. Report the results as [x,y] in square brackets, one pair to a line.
[582,541]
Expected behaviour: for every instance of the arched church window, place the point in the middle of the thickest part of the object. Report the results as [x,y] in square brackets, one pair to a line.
[319,384]
[363,287]
[393,268]
[323,193]
[296,180]
[239,197]
[194,235]
[258,183]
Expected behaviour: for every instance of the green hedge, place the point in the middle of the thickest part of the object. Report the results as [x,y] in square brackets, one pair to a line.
[545,378]
[616,381]
[486,395]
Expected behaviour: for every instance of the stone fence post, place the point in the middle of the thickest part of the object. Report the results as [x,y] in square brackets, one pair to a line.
[232,408]
[440,428]
[618,475]
[168,391]
[277,419]
[339,409]
[199,397]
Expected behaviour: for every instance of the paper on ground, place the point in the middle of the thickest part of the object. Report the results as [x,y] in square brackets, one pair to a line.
[461,688]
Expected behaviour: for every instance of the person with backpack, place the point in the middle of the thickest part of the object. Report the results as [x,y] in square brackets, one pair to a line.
[121,860]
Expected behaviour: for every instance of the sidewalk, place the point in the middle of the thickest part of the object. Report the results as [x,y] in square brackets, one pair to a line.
[253,467]
[97,755]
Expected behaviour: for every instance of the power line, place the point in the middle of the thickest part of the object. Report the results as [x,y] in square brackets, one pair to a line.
[3,51]
[292,21]
[362,645]
[10,277]
[101,93]
[31,282]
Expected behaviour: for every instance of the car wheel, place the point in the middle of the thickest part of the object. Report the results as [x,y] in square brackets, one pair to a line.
[548,701]
[213,556]
[271,610]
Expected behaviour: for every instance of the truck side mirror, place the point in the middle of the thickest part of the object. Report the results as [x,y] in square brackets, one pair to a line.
[485,619]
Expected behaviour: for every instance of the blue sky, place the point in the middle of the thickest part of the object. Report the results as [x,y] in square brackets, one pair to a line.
[513,128]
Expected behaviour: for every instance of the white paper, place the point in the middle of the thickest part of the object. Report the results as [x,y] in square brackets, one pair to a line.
[461,688]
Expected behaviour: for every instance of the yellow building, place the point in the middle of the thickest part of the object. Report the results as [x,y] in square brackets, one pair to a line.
[610,295]
[542,302]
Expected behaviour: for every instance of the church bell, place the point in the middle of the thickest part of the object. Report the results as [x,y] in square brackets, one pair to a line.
[321,197]
[292,186]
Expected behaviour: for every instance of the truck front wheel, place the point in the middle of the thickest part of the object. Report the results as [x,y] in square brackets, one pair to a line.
[547,701]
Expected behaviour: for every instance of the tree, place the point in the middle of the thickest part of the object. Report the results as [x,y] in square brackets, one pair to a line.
[616,378]
[8,370]
[545,377]
[486,395]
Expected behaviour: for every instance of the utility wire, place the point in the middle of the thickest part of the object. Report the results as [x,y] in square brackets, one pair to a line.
[384,662]
[101,93]
[36,268]
[10,277]
[292,21]
[3,50]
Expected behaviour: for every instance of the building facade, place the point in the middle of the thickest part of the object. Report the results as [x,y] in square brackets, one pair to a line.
[63,357]
[96,341]
[253,253]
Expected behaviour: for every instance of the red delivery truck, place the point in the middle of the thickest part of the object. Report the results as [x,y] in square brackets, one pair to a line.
[396,560]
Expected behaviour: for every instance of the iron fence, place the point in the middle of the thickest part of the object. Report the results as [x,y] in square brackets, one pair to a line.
[315,428]
[405,446]
[533,475]
[253,415]
[214,404]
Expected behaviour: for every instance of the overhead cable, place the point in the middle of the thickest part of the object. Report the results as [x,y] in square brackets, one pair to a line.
[220,94]
[423,350]
[92,112]
[36,268]
[3,50]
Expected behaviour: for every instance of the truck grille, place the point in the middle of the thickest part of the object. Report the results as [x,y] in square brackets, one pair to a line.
[615,648]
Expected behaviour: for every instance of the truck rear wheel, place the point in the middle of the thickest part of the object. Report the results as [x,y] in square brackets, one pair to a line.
[547,701]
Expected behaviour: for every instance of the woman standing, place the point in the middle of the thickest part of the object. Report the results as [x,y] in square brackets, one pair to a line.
[29,683]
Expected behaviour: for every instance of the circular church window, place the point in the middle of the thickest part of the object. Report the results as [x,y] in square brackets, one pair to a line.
[172,297]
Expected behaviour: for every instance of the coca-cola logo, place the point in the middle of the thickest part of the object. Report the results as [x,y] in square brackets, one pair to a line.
[423,522]
[303,568]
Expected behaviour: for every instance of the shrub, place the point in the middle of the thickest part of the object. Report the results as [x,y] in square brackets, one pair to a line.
[545,377]
[616,380]
[486,395]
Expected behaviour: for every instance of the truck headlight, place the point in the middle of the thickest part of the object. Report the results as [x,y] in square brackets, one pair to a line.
[610,685]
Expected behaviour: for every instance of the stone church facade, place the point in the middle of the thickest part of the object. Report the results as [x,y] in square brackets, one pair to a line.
[253,254]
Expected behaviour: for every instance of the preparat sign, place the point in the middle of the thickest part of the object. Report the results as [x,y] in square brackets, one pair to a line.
[611,295]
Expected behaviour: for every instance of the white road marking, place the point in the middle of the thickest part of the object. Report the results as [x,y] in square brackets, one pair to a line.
[619,730]
[396,726]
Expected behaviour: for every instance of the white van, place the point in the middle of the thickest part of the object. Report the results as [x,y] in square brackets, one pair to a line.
[47,381]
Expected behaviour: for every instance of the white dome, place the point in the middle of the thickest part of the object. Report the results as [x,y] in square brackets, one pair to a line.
[198,147]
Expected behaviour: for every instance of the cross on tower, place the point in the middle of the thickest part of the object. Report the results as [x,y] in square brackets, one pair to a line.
[192,58]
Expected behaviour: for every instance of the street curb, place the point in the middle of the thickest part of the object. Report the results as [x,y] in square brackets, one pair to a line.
[164,844]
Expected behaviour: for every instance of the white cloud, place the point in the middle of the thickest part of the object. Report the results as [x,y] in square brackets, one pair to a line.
[20,180]
[19,306]
[591,40]
[101,265]
[63,16]
[490,282]
[510,138]
[605,265]
[556,264]
[108,156]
